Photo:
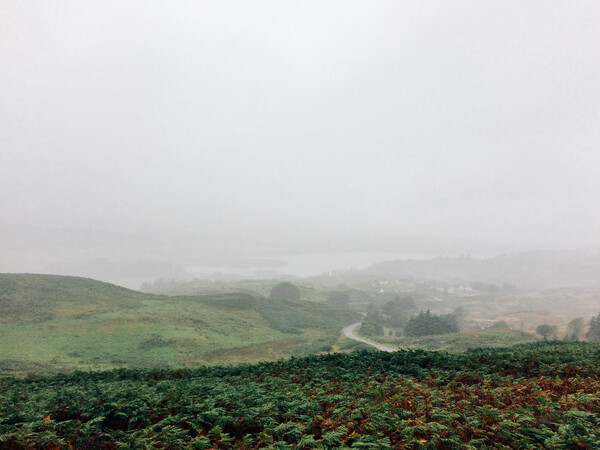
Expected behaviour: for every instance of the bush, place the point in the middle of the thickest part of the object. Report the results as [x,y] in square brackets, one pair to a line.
[285,291]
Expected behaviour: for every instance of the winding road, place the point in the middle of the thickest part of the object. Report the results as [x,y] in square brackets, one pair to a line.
[349,333]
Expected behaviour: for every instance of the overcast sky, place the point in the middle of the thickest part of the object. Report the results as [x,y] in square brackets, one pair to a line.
[274,127]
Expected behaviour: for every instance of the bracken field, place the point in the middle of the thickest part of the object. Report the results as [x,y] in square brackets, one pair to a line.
[542,395]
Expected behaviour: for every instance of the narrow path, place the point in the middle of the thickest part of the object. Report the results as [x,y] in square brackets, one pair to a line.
[349,333]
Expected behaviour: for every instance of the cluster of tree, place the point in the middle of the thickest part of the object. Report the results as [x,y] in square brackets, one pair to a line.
[546,330]
[285,291]
[162,285]
[501,324]
[575,329]
[593,333]
[426,323]
[396,312]
[393,314]
[372,325]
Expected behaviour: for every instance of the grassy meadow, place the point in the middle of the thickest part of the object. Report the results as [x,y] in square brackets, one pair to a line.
[50,323]
[459,342]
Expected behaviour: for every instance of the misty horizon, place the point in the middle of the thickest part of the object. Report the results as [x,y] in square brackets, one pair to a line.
[196,135]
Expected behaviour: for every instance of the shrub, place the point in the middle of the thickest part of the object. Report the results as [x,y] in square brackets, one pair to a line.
[285,291]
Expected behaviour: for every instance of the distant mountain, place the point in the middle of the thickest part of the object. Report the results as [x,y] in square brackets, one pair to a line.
[544,269]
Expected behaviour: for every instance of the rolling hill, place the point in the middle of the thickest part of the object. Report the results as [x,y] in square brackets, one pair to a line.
[50,323]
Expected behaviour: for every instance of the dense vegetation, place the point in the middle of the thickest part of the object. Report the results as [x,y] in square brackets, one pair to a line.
[54,323]
[392,314]
[285,291]
[426,323]
[400,323]
[529,396]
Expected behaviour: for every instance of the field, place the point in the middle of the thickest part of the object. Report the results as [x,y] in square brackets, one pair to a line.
[51,323]
[86,364]
[483,305]
[459,342]
[543,395]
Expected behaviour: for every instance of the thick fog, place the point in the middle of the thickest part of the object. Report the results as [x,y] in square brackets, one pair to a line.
[199,133]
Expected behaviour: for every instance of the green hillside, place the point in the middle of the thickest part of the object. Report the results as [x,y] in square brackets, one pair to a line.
[543,395]
[50,323]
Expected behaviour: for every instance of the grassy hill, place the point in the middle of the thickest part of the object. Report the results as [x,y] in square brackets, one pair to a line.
[50,323]
[543,395]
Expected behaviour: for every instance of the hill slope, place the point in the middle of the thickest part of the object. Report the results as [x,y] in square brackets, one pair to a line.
[532,270]
[50,322]
[530,396]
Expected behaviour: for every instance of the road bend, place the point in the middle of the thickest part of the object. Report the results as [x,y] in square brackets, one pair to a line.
[349,333]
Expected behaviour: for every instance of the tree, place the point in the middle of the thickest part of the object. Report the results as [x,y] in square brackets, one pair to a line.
[285,291]
[372,325]
[370,328]
[459,314]
[427,324]
[499,325]
[545,330]
[374,316]
[575,328]
[593,333]
[388,307]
